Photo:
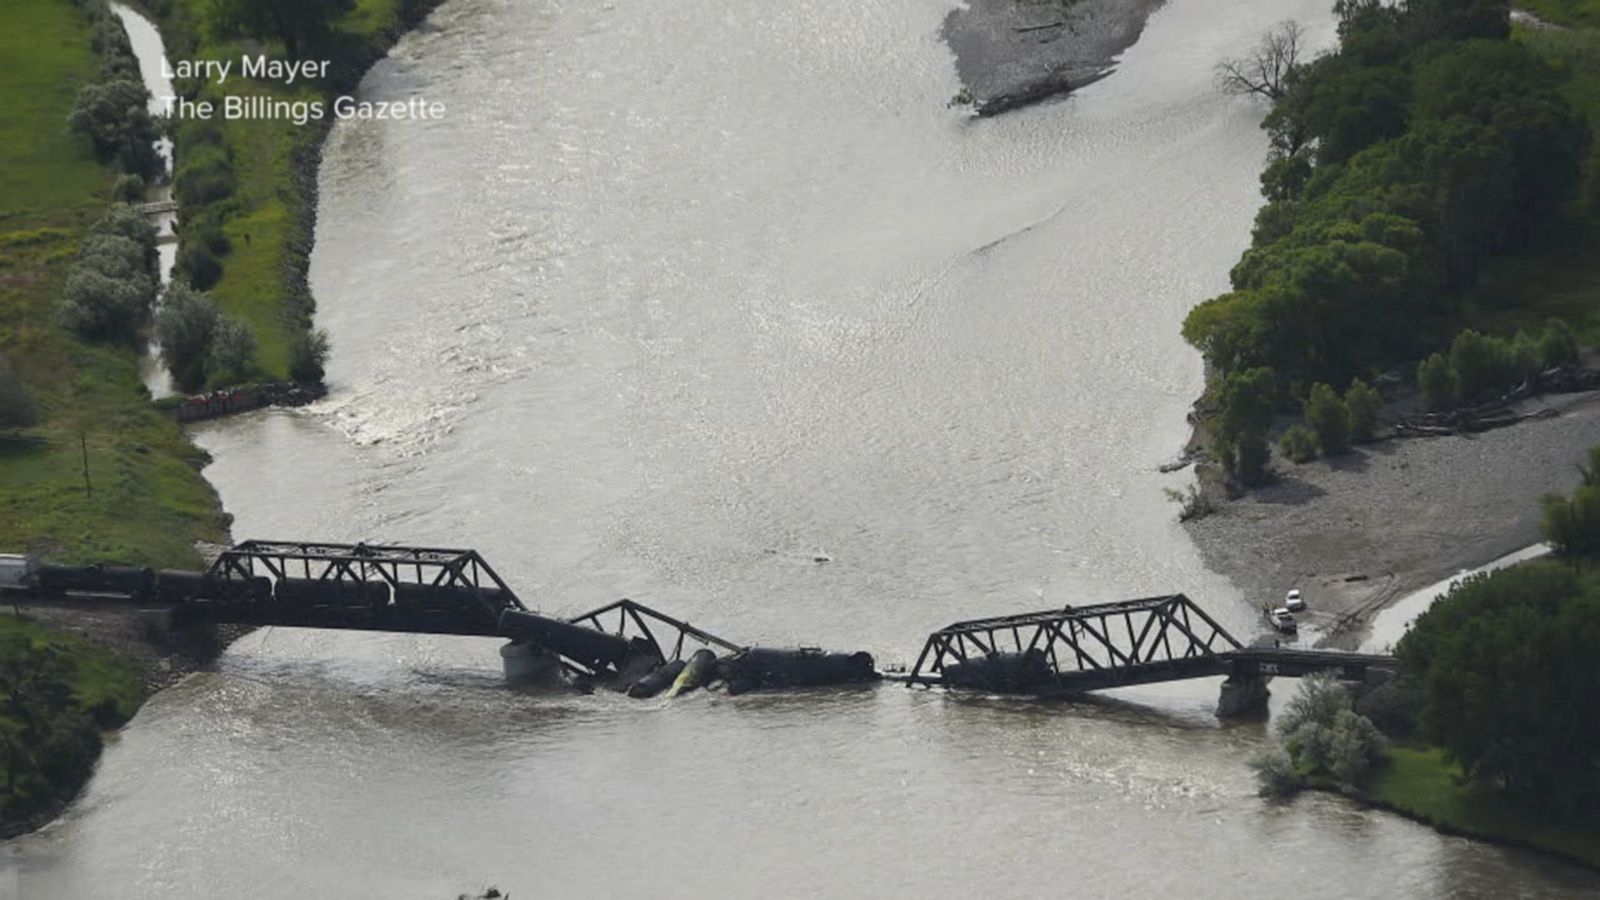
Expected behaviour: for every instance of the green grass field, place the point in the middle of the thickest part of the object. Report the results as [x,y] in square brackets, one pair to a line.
[149,504]
[46,171]
[1423,784]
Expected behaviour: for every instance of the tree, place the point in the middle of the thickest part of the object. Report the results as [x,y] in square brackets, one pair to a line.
[308,352]
[1506,662]
[17,409]
[1244,414]
[1266,71]
[233,346]
[1558,344]
[1481,364]
[1299,443]
[95,305]
[1323,735]
[300,24]
[1329,418]
[1572,524]
[115,117]
[1364,403]
[1437,382]
[185,325]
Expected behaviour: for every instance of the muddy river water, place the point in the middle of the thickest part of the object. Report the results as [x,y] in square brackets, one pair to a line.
[677,298]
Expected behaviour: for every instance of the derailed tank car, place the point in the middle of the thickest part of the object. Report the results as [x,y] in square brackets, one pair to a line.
[136,582]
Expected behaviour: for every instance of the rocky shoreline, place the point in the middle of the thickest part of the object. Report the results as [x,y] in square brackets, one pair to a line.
[1358,531]
[1012,53]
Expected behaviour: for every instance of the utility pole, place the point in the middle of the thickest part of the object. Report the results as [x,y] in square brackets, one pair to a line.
[83,441]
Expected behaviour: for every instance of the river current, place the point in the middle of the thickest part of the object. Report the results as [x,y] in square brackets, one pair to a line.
[677,299]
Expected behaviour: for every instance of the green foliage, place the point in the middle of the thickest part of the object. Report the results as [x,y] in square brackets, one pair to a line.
[56,693]
[1323,736]
[199,266]
[1506,661]
[110,288]
[1558,344]
[1299,443]
[184,327]
[1426,145]
[150,504]
[1480,364]
[1437,381]
[1329,418]
[299,24]
[1572,524]
[115,119]
[1364,403]
[308,353]
[128,188]
[233,347]
[1239,432]
[1276,775]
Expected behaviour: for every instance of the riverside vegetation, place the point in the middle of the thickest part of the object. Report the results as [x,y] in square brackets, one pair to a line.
[247,186]
[90,470]
[1431,192]
[1500,737]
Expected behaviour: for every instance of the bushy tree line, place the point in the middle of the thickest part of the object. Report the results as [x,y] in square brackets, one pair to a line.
[198,343]
[113,111]
[1424,144]
[48,743]
[1322,736]
[1506,662]
[1477,365]
[111,285]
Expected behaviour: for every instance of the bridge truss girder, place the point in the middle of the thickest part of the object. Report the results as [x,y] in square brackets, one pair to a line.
[1090,647]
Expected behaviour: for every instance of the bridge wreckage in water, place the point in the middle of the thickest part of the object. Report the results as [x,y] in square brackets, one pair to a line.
[632,648]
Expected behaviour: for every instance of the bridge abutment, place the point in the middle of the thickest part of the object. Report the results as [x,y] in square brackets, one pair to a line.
[1243,695]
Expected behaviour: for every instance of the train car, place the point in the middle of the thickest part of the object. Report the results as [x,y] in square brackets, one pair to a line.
[18,572]
[312,592]
[135,582]
[447,597]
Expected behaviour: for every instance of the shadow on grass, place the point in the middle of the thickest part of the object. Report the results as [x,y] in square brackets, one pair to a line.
[16,446]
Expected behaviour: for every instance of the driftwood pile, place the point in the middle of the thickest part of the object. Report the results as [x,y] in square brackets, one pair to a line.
[1498,413]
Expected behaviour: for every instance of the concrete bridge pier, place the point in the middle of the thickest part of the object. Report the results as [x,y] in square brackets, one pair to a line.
[526,663]
[1243,695]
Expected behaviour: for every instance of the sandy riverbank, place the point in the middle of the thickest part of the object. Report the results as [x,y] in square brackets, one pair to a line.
[1395,516]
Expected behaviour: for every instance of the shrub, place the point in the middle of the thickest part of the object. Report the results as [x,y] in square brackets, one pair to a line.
[1364,404]
[233,346]
[1275,773]
[97,306]
[114,117]
[1299,443]
[1329,418]
[1437,382]
[1558,345]
[308,353]
[1572,525]
[1481,364]
[185,326]
[128,188]
[199,266]
[1323,735]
